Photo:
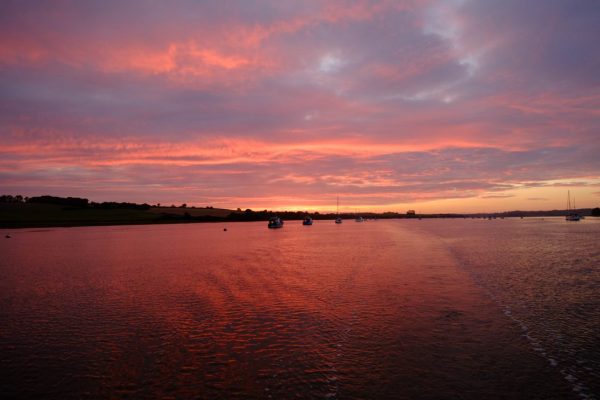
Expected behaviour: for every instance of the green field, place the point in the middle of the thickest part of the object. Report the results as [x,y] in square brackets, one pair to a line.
[27,215]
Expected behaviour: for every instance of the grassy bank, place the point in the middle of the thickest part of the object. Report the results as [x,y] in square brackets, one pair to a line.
[30,215]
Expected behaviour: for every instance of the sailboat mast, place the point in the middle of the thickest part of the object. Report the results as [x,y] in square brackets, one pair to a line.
[568,200]
[337,211]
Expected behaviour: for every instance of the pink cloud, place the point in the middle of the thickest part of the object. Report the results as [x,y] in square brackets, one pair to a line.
[381,101]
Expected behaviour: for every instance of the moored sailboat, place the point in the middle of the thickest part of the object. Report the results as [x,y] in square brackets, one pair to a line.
[275,222]
[571,214]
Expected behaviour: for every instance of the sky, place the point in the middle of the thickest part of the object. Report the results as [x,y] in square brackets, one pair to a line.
[437,106]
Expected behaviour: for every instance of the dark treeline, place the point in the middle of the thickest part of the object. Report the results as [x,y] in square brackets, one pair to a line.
[250,215]
[109,205]
[72,202]
[63,201]
[7,198]
[547,213]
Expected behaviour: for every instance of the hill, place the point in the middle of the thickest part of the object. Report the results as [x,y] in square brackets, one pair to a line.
[29,215]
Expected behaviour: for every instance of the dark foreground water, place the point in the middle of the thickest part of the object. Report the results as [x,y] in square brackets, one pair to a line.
[440,309]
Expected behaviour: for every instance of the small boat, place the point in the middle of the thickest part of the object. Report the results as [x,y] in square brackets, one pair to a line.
[8,236]
[572,217]
[338,220]
[359,219]
[275,222]
[571,214]
[307,221]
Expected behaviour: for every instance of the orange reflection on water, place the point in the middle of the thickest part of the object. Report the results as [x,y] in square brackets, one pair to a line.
[354,310]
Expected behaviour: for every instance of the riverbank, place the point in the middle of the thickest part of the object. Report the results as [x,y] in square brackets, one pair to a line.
[37,215]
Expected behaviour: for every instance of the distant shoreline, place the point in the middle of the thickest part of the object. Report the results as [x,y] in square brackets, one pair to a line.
[220,221]
[37,215]
[50,211]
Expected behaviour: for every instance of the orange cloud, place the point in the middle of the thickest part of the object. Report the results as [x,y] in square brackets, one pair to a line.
[73,151]
[178,59]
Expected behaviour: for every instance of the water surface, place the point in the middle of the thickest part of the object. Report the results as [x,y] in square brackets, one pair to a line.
[380,309]
[545,274]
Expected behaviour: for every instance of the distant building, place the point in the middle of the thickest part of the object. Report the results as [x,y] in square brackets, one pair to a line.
[411,213]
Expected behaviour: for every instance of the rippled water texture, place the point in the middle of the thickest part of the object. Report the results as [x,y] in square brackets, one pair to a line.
[381,309]
[545,273]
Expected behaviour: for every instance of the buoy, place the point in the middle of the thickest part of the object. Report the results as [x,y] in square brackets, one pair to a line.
[8,236]
[225,229]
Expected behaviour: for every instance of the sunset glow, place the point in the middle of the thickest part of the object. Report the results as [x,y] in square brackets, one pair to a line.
[439,106]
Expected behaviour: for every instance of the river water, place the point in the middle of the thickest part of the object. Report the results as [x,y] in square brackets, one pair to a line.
[403,309]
